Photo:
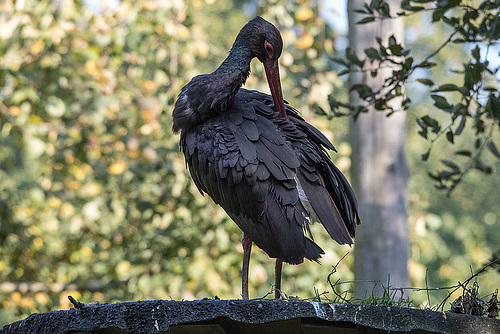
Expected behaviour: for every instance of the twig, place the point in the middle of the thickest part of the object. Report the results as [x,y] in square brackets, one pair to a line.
[441,305]
[76,303]
[334,270]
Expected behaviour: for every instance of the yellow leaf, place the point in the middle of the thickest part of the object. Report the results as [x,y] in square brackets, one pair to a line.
[27,303]
[149,85]
[119,146]
[148,114]
[35,119]
[57,34]
[14,111]
[28,211]
[133,153]
[69,159]
[54,202]
[37,46]
[16,296]
[86,251]
[72,184]
[38,243]
[42,298]
[149,5]
[159,29]
[91,67]
[123,270]
[202,48]
[304,14]
[67,210]
[305,41]
[118,167]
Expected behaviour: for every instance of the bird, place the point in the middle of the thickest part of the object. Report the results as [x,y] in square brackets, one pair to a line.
[257,158]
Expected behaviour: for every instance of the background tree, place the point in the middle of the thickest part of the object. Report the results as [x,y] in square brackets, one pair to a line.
[380,172]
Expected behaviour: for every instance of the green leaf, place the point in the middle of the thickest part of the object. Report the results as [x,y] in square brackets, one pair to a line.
[380,104]
[426,82]
[415,8]
[440,102]
[351,56]
[438,13]
[366,20]
[446,88]
[425,156]
[461,126]
[435,176]
[430,121]
[473,75]
[368,8]
[450,164]
[385,10]
[426,64]
[457,109]
[392,41]
[493,149]
[479,165]
[495,106]
[372,53]
[344,72]
[396,49]
[340,61]
[363,90]
[423,128]
[450,137]
[476,53]
[477,143]
[408,62]
[465,153]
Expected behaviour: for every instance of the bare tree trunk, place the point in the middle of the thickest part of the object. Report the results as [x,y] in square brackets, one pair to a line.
[380,172]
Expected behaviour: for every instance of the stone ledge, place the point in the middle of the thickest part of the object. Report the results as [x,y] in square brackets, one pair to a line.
[253,316]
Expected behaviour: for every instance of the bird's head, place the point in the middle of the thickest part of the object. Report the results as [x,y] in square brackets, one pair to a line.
[265,39]
[266,44]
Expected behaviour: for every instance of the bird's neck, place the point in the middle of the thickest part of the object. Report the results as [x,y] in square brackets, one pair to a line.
[211,94]
[235,69]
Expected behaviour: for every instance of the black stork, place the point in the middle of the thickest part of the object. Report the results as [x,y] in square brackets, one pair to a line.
[259,159]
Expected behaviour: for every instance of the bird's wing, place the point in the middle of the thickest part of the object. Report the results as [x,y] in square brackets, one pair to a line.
[243,162]
[325,187]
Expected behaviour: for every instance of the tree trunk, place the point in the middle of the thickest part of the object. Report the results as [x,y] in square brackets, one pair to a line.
[379,173]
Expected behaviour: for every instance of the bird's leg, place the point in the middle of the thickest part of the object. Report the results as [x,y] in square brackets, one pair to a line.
[277,279]
[247,247]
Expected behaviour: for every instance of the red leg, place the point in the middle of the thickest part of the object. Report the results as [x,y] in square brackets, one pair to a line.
[277,282]
[247,248]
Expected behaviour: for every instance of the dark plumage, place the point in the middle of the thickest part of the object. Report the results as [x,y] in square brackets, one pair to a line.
[258,159]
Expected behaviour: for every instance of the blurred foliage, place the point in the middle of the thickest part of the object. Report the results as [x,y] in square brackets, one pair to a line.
[95,200]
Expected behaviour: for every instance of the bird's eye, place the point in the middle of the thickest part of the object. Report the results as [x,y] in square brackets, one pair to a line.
[269,48]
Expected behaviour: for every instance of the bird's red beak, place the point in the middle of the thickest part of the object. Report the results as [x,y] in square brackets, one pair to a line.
[273,79]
